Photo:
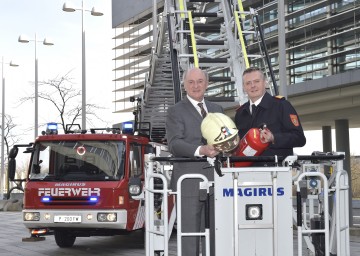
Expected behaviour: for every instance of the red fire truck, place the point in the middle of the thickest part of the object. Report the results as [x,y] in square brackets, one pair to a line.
[78,183]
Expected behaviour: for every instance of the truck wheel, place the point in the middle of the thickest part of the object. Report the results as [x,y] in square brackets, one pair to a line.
[63,239]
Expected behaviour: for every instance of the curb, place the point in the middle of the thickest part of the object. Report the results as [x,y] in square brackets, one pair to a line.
[11,205]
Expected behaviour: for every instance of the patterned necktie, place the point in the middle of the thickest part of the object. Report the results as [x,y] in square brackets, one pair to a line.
[203,111]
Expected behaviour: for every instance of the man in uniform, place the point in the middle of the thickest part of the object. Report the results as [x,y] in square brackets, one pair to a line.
[284,130]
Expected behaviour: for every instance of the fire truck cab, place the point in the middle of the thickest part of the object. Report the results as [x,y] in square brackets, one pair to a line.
[78,183]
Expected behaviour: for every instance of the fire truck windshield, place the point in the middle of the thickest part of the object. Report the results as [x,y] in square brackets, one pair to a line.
[78,160]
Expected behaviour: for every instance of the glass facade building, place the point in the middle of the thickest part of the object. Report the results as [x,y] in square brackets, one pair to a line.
[322,54]
[322,37]
[319,63]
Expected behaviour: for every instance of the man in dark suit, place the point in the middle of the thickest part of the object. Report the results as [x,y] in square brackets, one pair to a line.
[284,130]
[185,140]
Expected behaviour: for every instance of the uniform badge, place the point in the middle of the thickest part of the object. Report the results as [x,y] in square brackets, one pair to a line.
[294,120]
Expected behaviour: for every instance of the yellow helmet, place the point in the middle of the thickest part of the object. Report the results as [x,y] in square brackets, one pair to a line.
[220,131]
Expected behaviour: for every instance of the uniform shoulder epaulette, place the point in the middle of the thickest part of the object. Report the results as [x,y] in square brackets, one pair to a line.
[279,97]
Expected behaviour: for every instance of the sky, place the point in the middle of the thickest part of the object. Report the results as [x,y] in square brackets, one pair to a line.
[47,20]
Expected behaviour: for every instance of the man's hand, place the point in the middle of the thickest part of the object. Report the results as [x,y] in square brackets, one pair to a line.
[266,136]
[208,150]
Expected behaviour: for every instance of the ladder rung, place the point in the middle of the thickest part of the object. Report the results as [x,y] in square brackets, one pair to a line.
[254,56]
[207,27]
[207,42]
[207,47]
[205,14]
[249,32]
[211,60]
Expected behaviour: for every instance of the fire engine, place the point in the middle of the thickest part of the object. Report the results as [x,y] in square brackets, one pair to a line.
[78,183]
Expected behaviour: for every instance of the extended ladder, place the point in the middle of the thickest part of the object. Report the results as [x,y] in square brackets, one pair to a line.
[213,35]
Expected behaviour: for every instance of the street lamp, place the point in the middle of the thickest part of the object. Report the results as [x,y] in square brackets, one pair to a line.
[68,7]
[2,177]
[25,39]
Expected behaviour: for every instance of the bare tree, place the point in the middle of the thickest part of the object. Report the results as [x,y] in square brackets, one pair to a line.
[63,96]
[10,137]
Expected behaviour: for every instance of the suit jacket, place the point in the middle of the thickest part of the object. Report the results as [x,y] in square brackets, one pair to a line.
[184,137]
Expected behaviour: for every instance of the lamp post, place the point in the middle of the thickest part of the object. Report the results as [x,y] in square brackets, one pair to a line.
[68,7]
[25,39]
[2,177]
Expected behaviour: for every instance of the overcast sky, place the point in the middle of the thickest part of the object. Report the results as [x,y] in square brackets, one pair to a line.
[47,20]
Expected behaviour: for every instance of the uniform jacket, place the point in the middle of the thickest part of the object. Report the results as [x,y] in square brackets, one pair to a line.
[184,137]
[281,119]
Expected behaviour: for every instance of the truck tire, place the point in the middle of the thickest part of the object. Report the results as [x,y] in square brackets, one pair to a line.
[63,239]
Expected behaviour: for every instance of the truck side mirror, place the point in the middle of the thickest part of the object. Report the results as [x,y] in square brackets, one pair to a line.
[11,169]
[13,152]
[29,150]
[12,163]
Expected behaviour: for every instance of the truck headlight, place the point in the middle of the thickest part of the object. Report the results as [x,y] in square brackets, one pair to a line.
[31,216]
[107,217]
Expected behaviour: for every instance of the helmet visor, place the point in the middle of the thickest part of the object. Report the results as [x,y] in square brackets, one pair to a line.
[228,145]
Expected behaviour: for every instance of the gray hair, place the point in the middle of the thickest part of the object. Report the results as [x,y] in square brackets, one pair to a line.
[189,69]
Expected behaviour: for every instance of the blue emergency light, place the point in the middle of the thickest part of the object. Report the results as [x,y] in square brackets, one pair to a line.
[127,127]
[52,128]
[45,199]
[93,200]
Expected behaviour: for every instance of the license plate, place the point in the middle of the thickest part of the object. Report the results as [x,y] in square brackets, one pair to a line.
[67,219]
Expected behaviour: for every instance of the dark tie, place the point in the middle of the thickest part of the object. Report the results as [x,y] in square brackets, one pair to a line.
[253,109]
[203,111]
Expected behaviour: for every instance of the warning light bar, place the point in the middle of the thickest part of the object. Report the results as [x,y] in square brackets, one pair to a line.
[52,128]
[127,127]
[48,199]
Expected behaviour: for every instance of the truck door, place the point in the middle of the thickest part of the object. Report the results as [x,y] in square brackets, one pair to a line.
[136,170]
[136,160]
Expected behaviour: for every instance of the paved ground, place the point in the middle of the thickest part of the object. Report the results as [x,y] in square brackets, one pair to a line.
[12,231]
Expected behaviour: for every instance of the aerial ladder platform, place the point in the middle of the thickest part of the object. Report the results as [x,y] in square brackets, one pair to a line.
[209,34]
[214,35]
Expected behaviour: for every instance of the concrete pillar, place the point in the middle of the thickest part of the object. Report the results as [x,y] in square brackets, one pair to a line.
[282,48]
[327,147]
[343,145]
[327,139]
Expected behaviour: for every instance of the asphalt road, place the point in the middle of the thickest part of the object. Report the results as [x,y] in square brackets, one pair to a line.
[12,231]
